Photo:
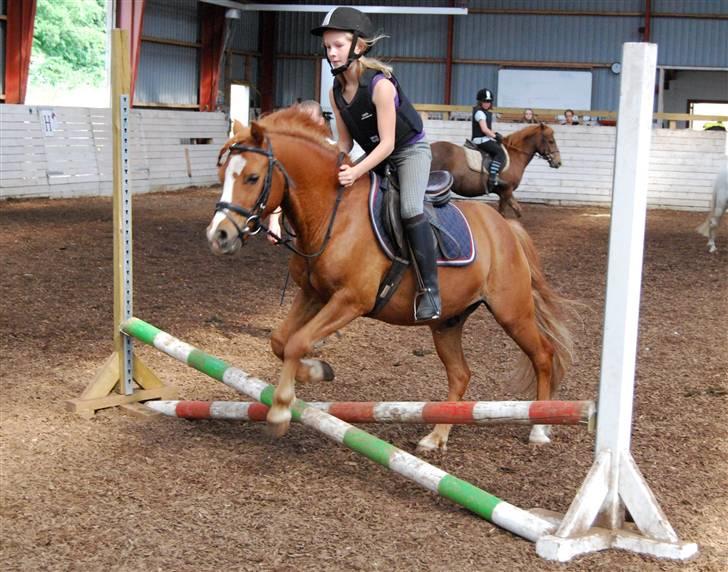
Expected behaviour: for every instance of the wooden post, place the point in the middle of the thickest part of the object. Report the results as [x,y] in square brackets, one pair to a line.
[113,384]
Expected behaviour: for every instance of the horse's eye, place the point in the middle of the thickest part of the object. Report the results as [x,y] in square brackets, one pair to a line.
[251,179]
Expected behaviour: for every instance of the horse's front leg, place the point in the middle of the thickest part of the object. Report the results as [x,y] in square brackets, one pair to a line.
[304,308]
[337,313]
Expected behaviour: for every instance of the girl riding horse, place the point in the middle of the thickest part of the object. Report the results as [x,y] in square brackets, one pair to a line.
[284,160]
[371,109]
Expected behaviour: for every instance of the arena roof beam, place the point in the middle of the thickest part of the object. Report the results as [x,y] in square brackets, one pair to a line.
[374,9]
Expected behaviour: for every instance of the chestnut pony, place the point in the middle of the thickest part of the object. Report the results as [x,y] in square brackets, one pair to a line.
[284,160]
[537,139]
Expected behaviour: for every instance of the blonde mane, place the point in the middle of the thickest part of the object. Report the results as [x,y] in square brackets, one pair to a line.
[293,121]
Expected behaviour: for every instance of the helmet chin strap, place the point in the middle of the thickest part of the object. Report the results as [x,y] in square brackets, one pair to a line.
[353,56]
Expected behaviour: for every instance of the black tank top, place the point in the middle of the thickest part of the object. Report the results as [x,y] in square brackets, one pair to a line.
[360,116]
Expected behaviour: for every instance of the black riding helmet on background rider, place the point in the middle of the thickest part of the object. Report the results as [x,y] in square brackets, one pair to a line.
[347,19]
[485,95]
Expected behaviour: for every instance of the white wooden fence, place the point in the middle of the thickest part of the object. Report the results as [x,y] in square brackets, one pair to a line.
[66,152]
[683,165]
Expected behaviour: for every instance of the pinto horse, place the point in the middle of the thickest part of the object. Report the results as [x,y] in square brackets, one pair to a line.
[284,160]
[537,139]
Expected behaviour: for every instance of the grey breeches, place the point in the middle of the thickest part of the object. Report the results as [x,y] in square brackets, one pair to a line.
[413,170]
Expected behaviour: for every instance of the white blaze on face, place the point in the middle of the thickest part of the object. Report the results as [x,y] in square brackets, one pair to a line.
[234,168]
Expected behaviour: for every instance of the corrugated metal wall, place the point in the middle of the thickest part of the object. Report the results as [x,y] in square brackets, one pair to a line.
[243,67]
[691,42]
[167,73]
[563,5]
[511,37]
[175,20]
[691,7]
[417,45]
[592,40]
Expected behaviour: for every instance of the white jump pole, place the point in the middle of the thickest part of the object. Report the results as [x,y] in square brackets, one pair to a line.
[596,518]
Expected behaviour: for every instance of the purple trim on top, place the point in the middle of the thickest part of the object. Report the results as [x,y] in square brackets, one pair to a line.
[376,79]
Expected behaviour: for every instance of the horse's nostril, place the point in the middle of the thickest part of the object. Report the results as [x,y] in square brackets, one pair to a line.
[222,235]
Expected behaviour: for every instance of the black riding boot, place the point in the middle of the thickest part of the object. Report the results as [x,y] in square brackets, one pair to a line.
[494,180]
[422,243]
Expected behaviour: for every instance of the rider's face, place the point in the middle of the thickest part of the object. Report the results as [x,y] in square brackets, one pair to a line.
[337,45]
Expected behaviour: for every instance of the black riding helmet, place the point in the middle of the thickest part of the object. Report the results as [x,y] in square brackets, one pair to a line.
[485,95]
[351,20]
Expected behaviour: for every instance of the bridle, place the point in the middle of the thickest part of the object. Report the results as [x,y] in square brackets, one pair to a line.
[253,224]
[546,156]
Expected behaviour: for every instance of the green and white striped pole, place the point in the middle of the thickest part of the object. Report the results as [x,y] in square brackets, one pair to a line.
[482,503]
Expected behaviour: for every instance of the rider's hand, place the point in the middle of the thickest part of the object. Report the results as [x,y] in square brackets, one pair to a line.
[347,175]
[498,138]
[274,225]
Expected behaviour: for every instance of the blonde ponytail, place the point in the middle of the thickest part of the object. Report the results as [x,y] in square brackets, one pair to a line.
[373,63]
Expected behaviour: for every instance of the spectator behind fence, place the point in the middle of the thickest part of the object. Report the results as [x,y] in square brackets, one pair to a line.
[570,118]
[528,116]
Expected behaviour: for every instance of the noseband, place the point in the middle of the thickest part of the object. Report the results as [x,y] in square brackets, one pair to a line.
[252,225]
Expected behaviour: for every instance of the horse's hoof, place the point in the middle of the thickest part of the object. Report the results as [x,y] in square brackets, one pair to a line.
[539,435]
[279,419]
[429,444]
[328,371]
[318,370]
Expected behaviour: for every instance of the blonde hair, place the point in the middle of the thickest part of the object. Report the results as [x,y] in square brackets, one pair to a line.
[372,63]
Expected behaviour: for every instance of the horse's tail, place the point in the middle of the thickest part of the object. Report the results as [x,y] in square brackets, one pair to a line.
[551,313]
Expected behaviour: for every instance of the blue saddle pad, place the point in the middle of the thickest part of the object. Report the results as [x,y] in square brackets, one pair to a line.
[455,239]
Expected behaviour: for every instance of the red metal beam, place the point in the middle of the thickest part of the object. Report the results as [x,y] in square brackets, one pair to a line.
[648,20]
[212,36]
[18,44]
[130,17]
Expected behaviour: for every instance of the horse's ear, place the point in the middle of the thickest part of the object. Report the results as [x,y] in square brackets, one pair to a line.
[258,133]
[222,152]
[237,128]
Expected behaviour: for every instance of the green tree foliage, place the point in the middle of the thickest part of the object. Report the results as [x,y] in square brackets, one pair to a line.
[69,42]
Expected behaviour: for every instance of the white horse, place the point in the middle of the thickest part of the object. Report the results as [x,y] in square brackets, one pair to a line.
[718,205]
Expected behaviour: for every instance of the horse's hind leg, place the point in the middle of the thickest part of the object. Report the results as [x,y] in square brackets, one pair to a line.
[516,315]
[303,309]
[448,343]
[514,204]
